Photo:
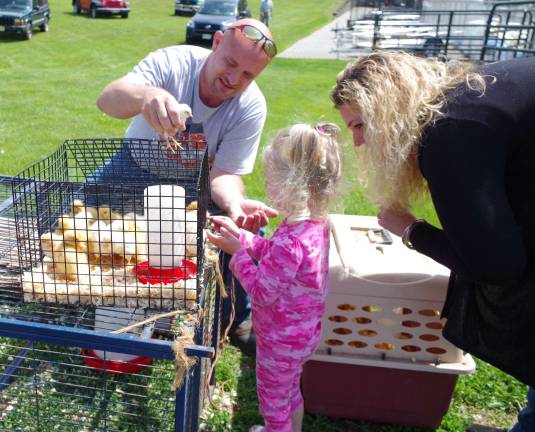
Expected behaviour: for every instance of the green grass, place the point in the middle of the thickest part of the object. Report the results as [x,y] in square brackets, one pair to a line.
[49,85]
[48,89]
[488,397]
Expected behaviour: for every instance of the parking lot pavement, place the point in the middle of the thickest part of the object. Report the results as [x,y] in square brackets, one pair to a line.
[321,44]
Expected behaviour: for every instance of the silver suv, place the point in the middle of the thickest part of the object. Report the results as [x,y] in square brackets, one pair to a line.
[189,7]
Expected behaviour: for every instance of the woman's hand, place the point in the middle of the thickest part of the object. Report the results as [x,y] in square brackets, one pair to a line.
[395,221]
[229,234]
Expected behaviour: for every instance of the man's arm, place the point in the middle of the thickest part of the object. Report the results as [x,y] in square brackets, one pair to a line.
[123,99]
[227,192]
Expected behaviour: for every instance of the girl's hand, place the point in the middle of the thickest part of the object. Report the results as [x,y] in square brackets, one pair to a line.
[395,221]
[225,240]
[219,222]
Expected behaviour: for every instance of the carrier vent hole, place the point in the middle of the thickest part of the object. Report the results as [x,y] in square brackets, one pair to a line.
[333,342]
[372,308]
[385,346]
[436,350]
[346,307]
[337,318]
[411,348]
[430,312]
[357,344]
[361,320]
[342,331]
[368,333]
[403,335]
[435,325]
[429,337]
[411,324]
[402,311]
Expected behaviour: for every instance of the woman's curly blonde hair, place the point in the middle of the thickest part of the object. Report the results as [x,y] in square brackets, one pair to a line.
[302,168]
[398,96]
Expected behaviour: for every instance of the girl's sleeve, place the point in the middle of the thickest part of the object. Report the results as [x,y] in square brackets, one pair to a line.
[255,245]
[274,273]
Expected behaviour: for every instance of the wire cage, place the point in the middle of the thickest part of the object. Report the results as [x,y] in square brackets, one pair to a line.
[94,238]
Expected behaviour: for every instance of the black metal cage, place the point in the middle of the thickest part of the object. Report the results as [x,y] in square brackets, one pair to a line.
[62,367]
[94,227]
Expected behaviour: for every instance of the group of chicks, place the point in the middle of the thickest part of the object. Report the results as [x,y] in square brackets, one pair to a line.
[89,236]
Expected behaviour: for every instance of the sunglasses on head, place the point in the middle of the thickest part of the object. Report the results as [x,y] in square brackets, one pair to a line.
[252,33]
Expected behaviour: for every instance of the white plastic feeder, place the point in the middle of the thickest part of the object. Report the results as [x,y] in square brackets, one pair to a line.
[165,213]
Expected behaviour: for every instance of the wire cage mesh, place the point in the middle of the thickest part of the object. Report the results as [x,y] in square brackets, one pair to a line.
[89,245]
[87,225]
[56,391]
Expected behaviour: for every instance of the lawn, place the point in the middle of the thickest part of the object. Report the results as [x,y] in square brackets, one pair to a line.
[48,89]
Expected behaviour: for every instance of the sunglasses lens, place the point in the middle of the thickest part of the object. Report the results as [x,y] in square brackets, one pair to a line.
[253,33]
[270,48]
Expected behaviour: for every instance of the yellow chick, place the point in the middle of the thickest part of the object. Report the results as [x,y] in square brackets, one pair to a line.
[50,243]
[77,206]
[99,239]
[104,214]
[192,206]
[76,239]
[184,112]
[65,222]
[191,233]
[69,264]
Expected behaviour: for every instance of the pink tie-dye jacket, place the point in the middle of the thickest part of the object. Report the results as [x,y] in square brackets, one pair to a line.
[288,286]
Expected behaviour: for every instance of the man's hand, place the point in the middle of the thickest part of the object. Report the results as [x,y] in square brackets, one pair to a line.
[162,111]
[227,193]
[229,234]
[395,221]
[253,215]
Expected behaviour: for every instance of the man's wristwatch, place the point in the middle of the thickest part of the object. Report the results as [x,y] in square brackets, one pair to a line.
[406,236]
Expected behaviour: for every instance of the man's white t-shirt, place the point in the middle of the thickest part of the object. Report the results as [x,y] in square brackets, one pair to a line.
[232,129]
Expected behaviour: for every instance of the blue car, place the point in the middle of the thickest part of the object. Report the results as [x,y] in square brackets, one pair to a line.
[214,15]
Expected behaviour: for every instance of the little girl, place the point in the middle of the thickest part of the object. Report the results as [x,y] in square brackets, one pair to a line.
[288,286]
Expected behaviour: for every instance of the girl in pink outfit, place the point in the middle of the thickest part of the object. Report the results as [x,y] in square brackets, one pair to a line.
[286,275]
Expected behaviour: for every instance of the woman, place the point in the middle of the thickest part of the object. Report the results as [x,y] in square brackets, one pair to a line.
[467,137]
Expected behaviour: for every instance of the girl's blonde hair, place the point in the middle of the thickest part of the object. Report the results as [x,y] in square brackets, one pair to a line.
[302,167]
[398,96]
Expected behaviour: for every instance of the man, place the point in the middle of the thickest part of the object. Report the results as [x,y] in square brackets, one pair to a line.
[266,10]
[219,88]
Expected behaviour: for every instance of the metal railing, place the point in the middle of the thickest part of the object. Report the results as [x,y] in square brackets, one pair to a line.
[503,31]
[510,31]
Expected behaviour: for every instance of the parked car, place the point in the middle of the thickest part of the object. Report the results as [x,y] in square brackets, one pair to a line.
[189,7]
[22,16]
[215,15]
[104,7]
